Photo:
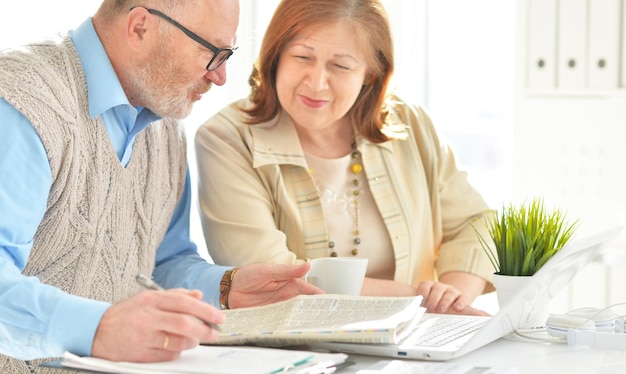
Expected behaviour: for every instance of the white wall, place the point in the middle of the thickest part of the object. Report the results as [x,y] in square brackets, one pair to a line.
[569,135]
[25,20]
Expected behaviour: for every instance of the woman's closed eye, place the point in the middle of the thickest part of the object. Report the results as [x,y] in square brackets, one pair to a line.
[342,67]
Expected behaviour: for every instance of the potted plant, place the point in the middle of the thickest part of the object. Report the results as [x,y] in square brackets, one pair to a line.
[523,239]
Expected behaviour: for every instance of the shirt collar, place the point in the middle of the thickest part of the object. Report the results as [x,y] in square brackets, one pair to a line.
[274,142]
[103,86]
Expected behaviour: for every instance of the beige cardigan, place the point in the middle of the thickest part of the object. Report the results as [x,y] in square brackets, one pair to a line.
[258,202]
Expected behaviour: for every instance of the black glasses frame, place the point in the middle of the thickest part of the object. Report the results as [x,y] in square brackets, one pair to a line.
[223,53]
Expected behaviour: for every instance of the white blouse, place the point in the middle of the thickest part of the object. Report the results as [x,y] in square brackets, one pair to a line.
[335,184]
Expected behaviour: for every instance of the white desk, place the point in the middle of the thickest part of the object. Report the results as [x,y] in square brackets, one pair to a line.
[529,358]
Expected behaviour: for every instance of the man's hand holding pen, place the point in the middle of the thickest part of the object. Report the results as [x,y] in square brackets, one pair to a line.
[155,326]
[149,284]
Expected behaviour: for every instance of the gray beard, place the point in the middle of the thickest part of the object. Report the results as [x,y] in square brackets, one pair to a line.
[168,100]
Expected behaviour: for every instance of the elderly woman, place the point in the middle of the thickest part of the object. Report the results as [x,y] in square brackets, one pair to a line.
[322,160]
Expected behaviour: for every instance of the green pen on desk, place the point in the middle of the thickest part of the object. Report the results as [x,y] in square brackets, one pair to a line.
[152,285]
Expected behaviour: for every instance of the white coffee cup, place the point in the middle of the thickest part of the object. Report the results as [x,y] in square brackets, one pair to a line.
[338,275]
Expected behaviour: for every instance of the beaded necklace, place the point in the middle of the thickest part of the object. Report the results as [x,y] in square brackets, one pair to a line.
[356,167]
[352,198]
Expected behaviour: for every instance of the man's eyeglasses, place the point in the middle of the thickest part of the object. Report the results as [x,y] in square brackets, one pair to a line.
[220,55]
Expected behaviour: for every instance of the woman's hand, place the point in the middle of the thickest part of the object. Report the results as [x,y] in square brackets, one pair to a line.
[453,294]
[444,298]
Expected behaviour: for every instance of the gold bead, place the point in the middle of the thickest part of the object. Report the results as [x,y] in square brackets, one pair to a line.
[356,168]
[355,252]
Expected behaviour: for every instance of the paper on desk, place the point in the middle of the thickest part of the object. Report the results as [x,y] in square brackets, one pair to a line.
[208,360]
[421,367]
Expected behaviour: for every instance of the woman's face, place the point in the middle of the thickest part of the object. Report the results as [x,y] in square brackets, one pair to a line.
[320,74]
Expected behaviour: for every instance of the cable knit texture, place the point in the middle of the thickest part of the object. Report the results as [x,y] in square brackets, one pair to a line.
[103,222]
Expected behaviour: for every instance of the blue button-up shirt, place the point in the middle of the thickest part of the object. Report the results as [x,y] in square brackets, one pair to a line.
[37,320]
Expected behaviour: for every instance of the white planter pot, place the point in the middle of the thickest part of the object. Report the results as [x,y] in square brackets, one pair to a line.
[532,303]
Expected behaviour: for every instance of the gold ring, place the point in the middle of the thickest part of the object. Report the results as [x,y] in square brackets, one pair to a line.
[166,341]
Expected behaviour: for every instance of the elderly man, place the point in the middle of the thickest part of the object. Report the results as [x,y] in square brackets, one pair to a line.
[94,189]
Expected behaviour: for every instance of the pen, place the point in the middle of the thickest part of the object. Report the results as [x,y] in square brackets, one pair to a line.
[152,285]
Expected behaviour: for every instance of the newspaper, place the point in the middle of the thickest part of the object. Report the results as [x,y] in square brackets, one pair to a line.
[308,319]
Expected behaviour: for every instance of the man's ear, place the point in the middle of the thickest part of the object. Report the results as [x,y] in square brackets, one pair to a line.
[140,27]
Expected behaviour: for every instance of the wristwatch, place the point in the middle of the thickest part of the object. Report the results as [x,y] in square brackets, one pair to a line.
[225,283]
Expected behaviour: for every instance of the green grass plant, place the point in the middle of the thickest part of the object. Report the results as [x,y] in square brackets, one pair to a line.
[525,237]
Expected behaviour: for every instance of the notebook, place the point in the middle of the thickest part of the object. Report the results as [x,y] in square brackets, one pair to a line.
[443,337]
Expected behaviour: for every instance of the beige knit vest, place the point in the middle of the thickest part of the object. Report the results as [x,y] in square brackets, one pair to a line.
[103,222]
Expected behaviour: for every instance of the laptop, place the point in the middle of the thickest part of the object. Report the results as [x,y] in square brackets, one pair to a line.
[441,337]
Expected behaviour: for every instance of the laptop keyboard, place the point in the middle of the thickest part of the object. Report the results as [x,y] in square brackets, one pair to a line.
[438,331]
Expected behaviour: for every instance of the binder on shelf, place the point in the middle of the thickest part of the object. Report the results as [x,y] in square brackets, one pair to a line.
[572,44]
[604,39]
[541,32]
